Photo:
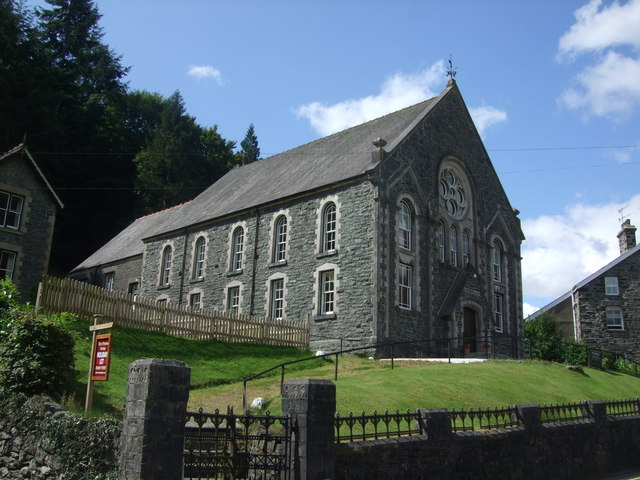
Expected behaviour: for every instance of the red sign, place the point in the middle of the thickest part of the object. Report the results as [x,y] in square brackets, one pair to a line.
[101,357]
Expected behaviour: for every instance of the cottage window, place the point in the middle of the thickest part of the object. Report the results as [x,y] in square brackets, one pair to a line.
[233,299]
[10,210]
[198,259]
[109,280]
[7,263]
[466,248]
[327,292]
[611,286]
[440,234]
[237,249]
[277,299]
[406,226]
[498,305]
[614,318]
[405,283]
[329,228]
[453,246]
[195,300]
[280,241]
[165,267]
[496,254]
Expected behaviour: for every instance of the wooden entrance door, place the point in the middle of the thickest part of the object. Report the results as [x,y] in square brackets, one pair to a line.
[470,332]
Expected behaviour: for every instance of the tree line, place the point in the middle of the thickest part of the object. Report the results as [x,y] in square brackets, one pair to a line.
[110,152]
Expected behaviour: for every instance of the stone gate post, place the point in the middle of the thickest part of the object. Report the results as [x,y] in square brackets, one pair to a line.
[153,427]
[312,404]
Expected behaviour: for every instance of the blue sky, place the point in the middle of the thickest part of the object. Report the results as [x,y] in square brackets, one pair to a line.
[553,86]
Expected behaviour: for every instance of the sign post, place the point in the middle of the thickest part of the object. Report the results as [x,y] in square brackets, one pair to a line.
[99,360]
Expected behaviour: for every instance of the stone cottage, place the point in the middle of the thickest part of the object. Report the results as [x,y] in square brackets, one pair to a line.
[396,229]
[602,309]
[28,209]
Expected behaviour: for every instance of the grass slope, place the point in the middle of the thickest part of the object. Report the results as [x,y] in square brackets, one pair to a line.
[217,369]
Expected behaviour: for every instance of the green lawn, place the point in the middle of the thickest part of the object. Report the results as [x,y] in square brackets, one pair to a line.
[218,369]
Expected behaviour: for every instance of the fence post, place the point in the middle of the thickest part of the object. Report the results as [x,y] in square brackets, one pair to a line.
[436,424]
[529,417]
[312,406]
[153,427]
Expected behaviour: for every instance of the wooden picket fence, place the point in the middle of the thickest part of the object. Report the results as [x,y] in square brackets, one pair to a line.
[57,295]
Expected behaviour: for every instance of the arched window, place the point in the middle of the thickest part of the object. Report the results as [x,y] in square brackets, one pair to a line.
[198,259]
[453,246]
[329,227]
[440,234]
[406,226]
[466,248]
[280,240]
[496,254]
[165,266]
[237,249]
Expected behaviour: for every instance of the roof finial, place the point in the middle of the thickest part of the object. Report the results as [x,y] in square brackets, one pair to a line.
[451,71]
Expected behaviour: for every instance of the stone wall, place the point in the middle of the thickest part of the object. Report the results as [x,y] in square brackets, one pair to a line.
[40,440]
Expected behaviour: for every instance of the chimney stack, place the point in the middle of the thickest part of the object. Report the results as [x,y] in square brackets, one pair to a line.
[627,237]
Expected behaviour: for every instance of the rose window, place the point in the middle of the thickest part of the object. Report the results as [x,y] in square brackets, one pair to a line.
[453,194]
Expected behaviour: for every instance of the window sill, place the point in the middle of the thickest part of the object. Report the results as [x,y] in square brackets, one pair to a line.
[282,263]
[324,317]
[234,273]
[197,280]
[330,253]
[14,231]
[164,287]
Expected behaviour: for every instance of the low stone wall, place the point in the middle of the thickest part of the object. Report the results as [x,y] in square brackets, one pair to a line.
[574,450]
[40,440]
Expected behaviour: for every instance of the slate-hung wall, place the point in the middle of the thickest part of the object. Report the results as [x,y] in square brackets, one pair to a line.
[351,262]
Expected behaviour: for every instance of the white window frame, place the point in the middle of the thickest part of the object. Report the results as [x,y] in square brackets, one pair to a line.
[165,265]
[195,300]
[280,239]
[405,286]
[614,318]
[237,249]
[199,254]
[327,297]
[498,310]
[497,261]
[466,248]
[453,246]
[276,299]
[233,299]
[611,286]
[405,226]
[329,227]
[10,210]
[109,280]
[7,263]
[441,241]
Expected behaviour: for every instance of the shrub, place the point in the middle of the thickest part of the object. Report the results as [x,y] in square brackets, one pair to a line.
[36,355]
[574,353]
[544,338]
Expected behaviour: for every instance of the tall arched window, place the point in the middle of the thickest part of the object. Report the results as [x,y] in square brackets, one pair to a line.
[440,234]
[466,248]
[406,226]
[165,266]
[237,249]
[198,259]
[496,254]
[280,240]
[329,227]
[453,246]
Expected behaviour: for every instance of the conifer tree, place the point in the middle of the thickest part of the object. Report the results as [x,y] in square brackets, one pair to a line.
[250,150]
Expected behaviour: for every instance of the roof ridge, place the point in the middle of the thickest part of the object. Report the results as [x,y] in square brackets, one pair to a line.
[163,210]
[12,150]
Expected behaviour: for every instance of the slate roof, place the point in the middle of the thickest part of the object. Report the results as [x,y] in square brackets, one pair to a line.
[342,156]
[128,243]
[35,167]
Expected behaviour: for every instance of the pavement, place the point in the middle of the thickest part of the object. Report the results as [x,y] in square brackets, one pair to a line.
[626,475]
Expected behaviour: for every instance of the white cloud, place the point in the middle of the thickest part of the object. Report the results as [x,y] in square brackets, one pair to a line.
[485,117]
[610,85]
[397,92]
[202,72]
[528,309]
[561,250]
